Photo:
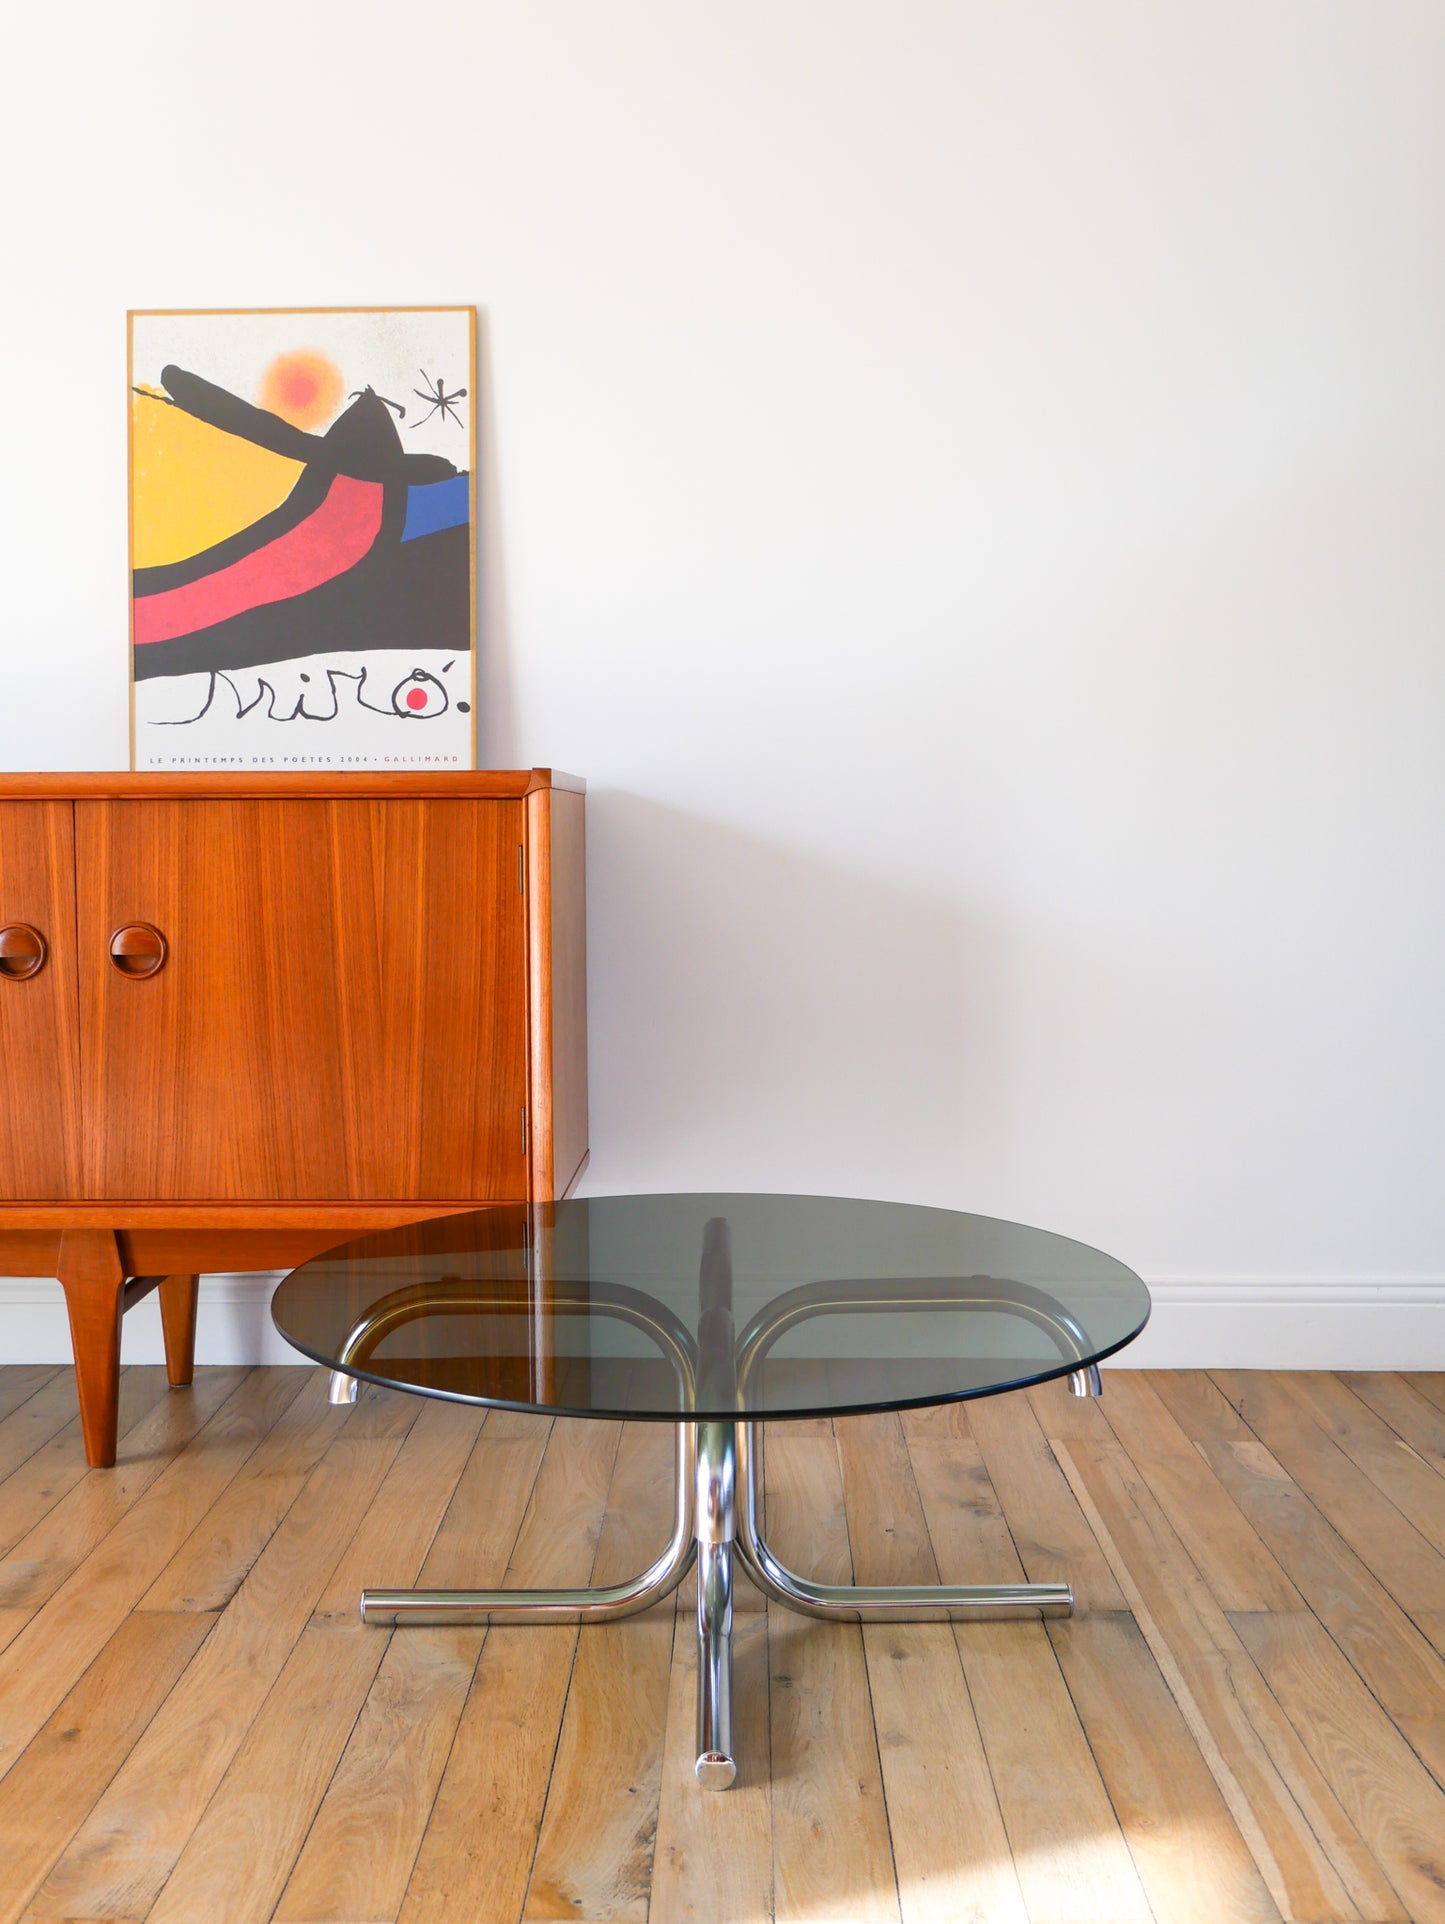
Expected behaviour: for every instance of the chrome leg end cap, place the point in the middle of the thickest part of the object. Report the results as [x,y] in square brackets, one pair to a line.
[715,1770]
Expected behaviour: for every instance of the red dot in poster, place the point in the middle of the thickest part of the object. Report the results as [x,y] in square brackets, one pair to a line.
[303,387]
[416,698]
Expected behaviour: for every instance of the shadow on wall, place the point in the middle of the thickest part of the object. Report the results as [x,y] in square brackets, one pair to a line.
[762,1018]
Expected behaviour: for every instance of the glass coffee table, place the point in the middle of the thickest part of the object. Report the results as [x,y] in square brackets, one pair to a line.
[712,1313]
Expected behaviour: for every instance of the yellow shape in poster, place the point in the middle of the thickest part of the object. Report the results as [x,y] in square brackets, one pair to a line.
[193,485]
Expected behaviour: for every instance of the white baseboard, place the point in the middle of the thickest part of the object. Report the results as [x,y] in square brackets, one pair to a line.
[1263,1322]
[1294,1322]
[233,1323]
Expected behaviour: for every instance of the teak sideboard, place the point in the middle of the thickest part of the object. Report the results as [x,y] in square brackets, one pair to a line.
[245,1017]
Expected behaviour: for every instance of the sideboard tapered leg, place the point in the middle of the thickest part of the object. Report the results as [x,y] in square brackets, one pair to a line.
[94,1283]
[178,1326]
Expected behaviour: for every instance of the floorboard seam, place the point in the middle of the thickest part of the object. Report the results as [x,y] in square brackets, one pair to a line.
[425,1826]
[260,1711]
[567,1693]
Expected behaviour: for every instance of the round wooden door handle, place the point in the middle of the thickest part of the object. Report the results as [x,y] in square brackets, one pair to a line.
[22,951]
[137,949]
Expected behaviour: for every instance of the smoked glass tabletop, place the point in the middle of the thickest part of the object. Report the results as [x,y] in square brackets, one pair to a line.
[666,1307]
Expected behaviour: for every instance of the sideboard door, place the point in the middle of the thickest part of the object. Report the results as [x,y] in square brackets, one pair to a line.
[39,1083]
[340,1012]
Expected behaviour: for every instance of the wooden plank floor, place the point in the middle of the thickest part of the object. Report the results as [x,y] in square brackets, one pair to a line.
[1244,1722]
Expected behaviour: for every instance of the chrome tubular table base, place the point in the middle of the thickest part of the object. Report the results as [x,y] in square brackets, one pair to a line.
[717,1457]
[719,1477]
[874,1603]
[589,1605]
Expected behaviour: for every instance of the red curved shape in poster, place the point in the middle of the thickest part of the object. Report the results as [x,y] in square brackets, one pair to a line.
[324,545]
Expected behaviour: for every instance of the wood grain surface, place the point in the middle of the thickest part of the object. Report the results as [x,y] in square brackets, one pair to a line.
[557,981]
[39,1033]
[482,784]
[1243,1722]
[341,1013]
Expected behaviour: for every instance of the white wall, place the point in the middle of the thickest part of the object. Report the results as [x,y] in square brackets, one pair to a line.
[964,483]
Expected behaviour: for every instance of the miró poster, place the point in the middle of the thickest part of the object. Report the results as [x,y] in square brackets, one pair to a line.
[302,531]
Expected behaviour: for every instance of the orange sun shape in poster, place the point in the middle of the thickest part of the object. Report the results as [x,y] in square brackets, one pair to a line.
[304,388]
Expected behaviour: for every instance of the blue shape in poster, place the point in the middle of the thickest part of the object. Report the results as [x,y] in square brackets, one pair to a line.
[437,505]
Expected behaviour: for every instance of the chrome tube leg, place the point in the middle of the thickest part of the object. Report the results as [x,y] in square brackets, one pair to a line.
[715,1765]
[716,1526]
[603,1604]
[874,1603]
[342,1388]
[1087,1381]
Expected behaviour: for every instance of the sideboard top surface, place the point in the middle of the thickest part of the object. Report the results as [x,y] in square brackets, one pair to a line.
[492,784]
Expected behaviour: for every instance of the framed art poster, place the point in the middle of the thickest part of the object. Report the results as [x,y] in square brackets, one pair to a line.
[302,538]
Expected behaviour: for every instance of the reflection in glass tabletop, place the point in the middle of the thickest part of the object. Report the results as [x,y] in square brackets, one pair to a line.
[712,1312]
[666,1307]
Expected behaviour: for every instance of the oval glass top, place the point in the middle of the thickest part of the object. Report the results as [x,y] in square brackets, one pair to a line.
[660,1307]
